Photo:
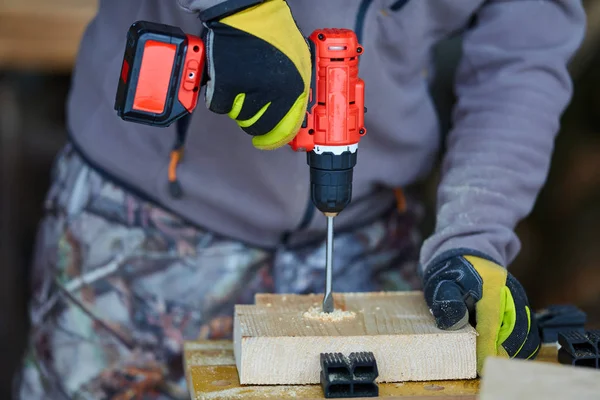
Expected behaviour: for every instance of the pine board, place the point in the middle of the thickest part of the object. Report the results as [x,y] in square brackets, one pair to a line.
[274,344]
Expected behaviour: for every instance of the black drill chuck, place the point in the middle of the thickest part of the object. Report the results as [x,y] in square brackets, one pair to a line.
[331,180]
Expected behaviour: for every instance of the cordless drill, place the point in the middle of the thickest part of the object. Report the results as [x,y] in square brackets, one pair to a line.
[162,72]
[332,128]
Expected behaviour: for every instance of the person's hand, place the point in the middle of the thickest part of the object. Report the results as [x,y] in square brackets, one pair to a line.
[259,69]
[463,286]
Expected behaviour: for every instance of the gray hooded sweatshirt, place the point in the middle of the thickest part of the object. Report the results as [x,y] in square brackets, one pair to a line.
[512,85]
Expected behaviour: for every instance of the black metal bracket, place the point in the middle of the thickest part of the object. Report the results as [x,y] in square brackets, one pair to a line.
[580,349]
[347,377]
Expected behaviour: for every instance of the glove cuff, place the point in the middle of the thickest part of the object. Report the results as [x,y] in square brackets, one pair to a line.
[209,10]
[446,255]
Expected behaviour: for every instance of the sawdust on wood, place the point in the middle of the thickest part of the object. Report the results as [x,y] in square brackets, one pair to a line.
[336,315]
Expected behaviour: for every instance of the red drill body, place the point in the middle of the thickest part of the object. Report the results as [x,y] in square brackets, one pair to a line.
[335,114]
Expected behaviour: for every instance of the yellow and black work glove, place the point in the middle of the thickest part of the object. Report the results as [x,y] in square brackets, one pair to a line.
[463,286]
[259,69]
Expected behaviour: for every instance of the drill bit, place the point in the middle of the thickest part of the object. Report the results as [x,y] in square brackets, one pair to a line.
[328,298]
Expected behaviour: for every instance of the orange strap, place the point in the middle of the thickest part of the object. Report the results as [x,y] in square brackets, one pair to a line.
[176,156]
[400,200]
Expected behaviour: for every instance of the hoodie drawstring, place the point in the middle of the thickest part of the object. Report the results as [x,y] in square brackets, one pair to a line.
[176,156]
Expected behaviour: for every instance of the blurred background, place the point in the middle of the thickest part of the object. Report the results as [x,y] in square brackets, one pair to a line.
[560,258]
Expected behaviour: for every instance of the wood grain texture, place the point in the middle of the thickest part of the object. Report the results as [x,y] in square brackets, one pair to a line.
[275,344]
[41,34]
[211,374]
[526,380]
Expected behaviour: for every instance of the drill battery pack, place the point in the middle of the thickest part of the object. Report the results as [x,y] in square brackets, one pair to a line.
[161,74]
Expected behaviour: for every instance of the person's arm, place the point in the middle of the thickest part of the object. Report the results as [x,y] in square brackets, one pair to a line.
[512,86]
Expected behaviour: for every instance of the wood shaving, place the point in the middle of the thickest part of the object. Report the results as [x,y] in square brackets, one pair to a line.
[336,315]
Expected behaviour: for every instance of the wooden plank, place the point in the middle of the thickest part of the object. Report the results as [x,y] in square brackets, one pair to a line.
[520,379]
[279,341]
[42,35]
[211,374]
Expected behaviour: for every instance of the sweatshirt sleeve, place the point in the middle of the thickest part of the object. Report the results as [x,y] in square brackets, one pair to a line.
[211,9]
[512,86]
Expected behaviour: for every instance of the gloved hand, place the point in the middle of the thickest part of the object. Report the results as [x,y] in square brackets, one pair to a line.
[259,69]
[463,286]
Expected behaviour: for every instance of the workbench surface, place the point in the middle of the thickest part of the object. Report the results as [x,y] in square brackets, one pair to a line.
[211,374]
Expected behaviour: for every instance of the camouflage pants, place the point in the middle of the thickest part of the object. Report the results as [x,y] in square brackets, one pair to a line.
[119,284]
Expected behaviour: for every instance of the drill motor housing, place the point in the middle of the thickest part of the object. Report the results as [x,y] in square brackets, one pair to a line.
[334,122]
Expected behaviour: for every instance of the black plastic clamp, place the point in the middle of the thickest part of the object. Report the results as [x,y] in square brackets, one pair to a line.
[580,349]
[346,377]
[560,318]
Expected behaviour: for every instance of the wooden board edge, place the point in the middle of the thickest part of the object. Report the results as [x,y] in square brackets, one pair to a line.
[237,342]
[468,372]
[263,298]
